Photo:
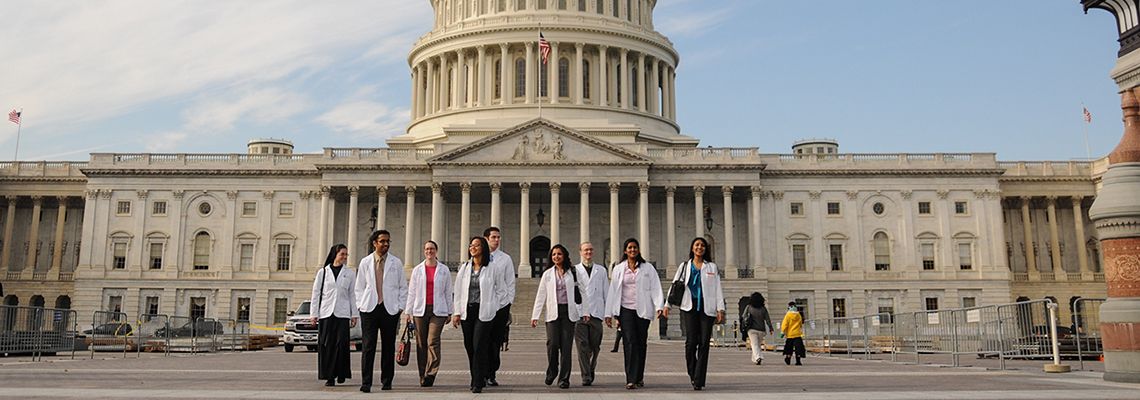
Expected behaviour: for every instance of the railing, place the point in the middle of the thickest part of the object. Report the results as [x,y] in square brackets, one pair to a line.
[37,331]
[42,168]
[1021,277]
[110,331]
[1085,330]
[146,159]
[1048,276]
[1047,168]
[745,273]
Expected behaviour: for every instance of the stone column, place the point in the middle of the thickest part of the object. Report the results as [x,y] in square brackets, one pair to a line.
[584,212]
[578,73]
[34,235]
[699,210]
[602,89]
[1116,214]
[429,96]
[353,210]
[496,205]
[323,230]
[670,226]
[754,226]
[615,241]
[624,81]
[553,74]
[437,212]
[1059,272]
[481,90]
[524,229]
[643,218]
[729,235]
[381,208]
[57,251]
[641,82]
[415,92]
[464,219]
[530,78]
[410,224]
[9,225]
[504,78]
[1082,252]
[555,214]
[1030,256]
[461,92]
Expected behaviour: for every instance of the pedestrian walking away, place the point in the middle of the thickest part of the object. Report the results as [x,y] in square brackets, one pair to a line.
[702,306]
[792,328]
[381,294]
[336,313]
[756,324]
[430,296]
[588,332]
[634,299]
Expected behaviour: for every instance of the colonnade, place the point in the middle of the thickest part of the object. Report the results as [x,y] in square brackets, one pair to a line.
[511,73]
[1033,266]
[33,233]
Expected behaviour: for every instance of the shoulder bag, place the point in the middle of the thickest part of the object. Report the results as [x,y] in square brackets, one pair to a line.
[677,290]
[404,348]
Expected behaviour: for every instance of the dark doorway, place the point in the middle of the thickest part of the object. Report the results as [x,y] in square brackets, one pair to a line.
[539,255]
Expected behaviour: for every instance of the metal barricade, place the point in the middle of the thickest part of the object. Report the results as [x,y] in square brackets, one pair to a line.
[37,331]
[1085,330]
[879,335]
[153,334]
[228,339]
[180,335]
[110,331]
[206,332]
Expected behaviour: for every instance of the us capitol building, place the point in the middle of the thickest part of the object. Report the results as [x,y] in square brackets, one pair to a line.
[585,147]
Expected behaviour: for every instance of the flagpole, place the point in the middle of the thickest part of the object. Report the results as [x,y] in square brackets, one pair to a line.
[19,125]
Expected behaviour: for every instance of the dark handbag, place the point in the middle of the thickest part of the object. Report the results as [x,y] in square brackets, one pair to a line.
[404,348]
[746,321]
[677,291]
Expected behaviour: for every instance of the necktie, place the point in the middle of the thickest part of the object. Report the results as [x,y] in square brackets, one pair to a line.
[379,280]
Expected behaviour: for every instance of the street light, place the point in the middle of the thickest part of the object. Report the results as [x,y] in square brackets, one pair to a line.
[708,219]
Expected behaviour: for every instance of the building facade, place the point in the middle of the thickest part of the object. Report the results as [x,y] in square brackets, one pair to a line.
[582,147]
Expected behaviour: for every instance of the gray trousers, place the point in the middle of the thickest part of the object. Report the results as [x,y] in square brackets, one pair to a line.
[588,335]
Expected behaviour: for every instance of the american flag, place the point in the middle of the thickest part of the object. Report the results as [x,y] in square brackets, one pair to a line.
[1088,115]
[14,116]
[544,48]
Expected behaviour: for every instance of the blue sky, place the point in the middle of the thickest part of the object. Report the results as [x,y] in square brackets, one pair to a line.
[878,75]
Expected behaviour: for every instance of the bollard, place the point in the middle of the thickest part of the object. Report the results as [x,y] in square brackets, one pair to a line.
[1056,366]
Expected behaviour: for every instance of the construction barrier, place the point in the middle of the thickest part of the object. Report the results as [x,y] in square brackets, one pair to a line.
[37,331]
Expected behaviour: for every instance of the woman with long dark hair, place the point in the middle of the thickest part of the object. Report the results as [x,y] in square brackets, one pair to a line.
[475,287]
[333,306]
[559,295]
[429,305]
[702,305]
[635,298]
[757,323]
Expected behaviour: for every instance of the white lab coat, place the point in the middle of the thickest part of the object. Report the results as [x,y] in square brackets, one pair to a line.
[488,283]
[395,284]
[441,296]
[336,296]
[596,288]
[506,274]
[711,289]
[547,296]
[649,296]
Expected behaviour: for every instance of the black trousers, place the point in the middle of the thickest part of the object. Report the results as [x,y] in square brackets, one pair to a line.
[635,332]
[387,324]
[559,345]
[498,336]
[795,345]
[699,328]
[332,349]
[477,341]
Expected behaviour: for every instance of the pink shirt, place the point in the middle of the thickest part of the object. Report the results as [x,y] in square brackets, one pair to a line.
[429,272]
[629,289]
[560,288]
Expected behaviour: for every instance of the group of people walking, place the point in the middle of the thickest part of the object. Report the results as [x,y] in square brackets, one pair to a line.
[573,300]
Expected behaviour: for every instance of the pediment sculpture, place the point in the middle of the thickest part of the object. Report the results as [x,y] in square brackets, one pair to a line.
[538,145]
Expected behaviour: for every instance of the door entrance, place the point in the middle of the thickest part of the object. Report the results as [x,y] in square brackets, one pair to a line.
[539,255]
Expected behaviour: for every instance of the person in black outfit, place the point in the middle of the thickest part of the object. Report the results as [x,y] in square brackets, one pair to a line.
[333,302]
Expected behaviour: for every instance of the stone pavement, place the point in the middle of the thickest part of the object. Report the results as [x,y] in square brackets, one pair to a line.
[274,374]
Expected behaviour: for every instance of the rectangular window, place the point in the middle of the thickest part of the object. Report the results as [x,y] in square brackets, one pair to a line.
[123,207]
[797,208]
[802,305]
[886,311]
[924,208]
[839,308]
[968,302]
[156,255]
[151,305]
[243,309]
[120,256]
[832,208]
[246,262]
[280,310]
[582,5]
[965,258]
[159,208]
[836,251]
[115,305]
[541,4]
[961,208]
[197,308]
[931,304]
[249,209]
[283,253]
[927,256]
[799,257]
[285,209]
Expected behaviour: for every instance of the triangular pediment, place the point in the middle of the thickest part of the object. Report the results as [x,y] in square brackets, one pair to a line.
[539,141]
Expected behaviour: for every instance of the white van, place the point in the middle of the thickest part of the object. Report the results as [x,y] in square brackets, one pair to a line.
[299,332]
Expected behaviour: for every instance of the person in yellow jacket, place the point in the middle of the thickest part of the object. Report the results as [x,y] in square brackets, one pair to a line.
[792,329]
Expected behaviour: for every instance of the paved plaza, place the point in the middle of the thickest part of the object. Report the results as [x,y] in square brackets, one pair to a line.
[275,374]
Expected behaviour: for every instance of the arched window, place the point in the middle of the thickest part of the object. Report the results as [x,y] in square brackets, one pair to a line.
[581,5]
[520,77]
[882,252]
[617,13]
[617,83]
[561,4]
[628,10]
[202,251]
[502,6]
[600,6]
[633,84]
[499,79]
[585,79]
[63,302]
[451,75]
[564,77]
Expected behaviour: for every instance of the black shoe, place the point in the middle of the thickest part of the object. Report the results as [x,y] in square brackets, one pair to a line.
[366,389]
[428,381]
[587,383]
[788,360]
[386,386]
[330,382]
[477,389]
[564,385]
[613,351]
[549,381]
[798,362]
[695,387]
[630,386]
[493,382]
[759,361]
[640,384]
[340,380]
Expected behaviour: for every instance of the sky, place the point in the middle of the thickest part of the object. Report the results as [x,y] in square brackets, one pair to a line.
[880,76]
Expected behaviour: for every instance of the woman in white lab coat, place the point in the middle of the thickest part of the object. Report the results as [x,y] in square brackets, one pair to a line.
[559,295]
[334,307]
[635,299]
[429,306]
[474,307]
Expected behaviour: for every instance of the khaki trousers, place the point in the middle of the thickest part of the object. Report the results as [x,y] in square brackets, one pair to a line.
[428,330]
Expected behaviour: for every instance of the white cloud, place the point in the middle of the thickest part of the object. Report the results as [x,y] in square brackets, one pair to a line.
[364,119]
[686,21]
[165,141]
[260,106]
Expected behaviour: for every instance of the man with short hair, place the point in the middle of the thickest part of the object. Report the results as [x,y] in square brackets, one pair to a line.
[588,332]
[381,292]
[505,270]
